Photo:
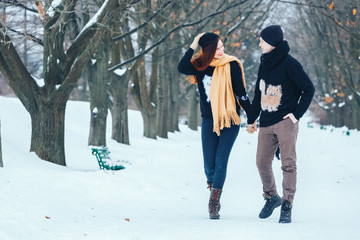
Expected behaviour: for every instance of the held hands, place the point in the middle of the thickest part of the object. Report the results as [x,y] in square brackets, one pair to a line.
[251,128]
[291,116]
[195,43]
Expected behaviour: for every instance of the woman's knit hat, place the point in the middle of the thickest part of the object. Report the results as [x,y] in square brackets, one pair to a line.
[207,39]
[273,35]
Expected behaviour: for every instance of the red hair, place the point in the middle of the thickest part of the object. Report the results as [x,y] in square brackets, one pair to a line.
[206,56]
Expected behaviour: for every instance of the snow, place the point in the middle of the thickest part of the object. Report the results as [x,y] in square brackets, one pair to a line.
[40,82]
[234,27]
[95,110]
[162,192]
[52,9]
[120,71]
[94,19]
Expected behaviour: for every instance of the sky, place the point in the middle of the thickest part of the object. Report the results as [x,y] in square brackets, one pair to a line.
[161,193]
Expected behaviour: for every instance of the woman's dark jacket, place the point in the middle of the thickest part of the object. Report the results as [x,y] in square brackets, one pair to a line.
[203,79]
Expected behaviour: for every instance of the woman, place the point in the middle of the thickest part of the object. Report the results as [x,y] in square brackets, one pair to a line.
[221,85]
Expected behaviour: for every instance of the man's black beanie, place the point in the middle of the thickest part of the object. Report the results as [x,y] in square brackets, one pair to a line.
[207,39]
[273,35]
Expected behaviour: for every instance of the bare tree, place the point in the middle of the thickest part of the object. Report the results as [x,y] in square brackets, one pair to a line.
[61,69]
[332,28]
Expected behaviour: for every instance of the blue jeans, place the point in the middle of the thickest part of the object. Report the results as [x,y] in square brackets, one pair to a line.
[216,151]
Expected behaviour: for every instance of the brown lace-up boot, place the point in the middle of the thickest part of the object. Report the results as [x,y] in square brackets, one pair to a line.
[215,195]
[210,187]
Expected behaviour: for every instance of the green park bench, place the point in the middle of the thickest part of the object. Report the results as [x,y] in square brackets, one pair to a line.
[103,157]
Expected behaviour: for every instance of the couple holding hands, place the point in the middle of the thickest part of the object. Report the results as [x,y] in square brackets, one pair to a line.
[283,93]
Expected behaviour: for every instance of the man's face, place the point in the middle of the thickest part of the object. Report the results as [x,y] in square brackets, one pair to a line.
[265,47]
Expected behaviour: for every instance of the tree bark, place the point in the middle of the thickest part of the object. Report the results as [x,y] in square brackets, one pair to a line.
[193,106]
[147,109]
[175,99]
[163,100]
[119,114]
[119,109]
[99,98]
[143,91]
[47,132]
[119,86]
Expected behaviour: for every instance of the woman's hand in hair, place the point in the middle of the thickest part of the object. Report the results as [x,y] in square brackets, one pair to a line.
[195,43]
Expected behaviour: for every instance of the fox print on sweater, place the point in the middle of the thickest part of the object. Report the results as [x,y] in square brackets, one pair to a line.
[282,87]
[270,97]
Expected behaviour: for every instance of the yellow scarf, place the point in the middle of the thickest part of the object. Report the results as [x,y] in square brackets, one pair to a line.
[221,93]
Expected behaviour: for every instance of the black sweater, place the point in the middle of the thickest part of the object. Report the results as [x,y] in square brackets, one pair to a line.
[282,87]
[203,79]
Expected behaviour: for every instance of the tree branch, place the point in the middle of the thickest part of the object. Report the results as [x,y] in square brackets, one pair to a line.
[16,74]
[31,37]
[300,4]
[170,32]
[147,21]
[16,3]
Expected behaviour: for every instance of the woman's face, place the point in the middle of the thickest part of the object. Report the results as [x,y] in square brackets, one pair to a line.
[219,50]
[265,47]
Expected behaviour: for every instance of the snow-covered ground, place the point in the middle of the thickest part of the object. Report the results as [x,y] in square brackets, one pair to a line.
[162,192]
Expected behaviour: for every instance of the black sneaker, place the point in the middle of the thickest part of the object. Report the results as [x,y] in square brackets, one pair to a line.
[271,203]
[285,215]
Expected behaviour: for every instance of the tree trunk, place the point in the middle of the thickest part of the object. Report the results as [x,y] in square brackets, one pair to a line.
[119,108]
[119,114]
[193,108]
[119,86]
[174,108]
[141,96]
[149,119]
[99,99]
[47,135]
[163,97]
[175,99]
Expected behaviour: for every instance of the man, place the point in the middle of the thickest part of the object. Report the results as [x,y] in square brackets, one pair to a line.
[283,94]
